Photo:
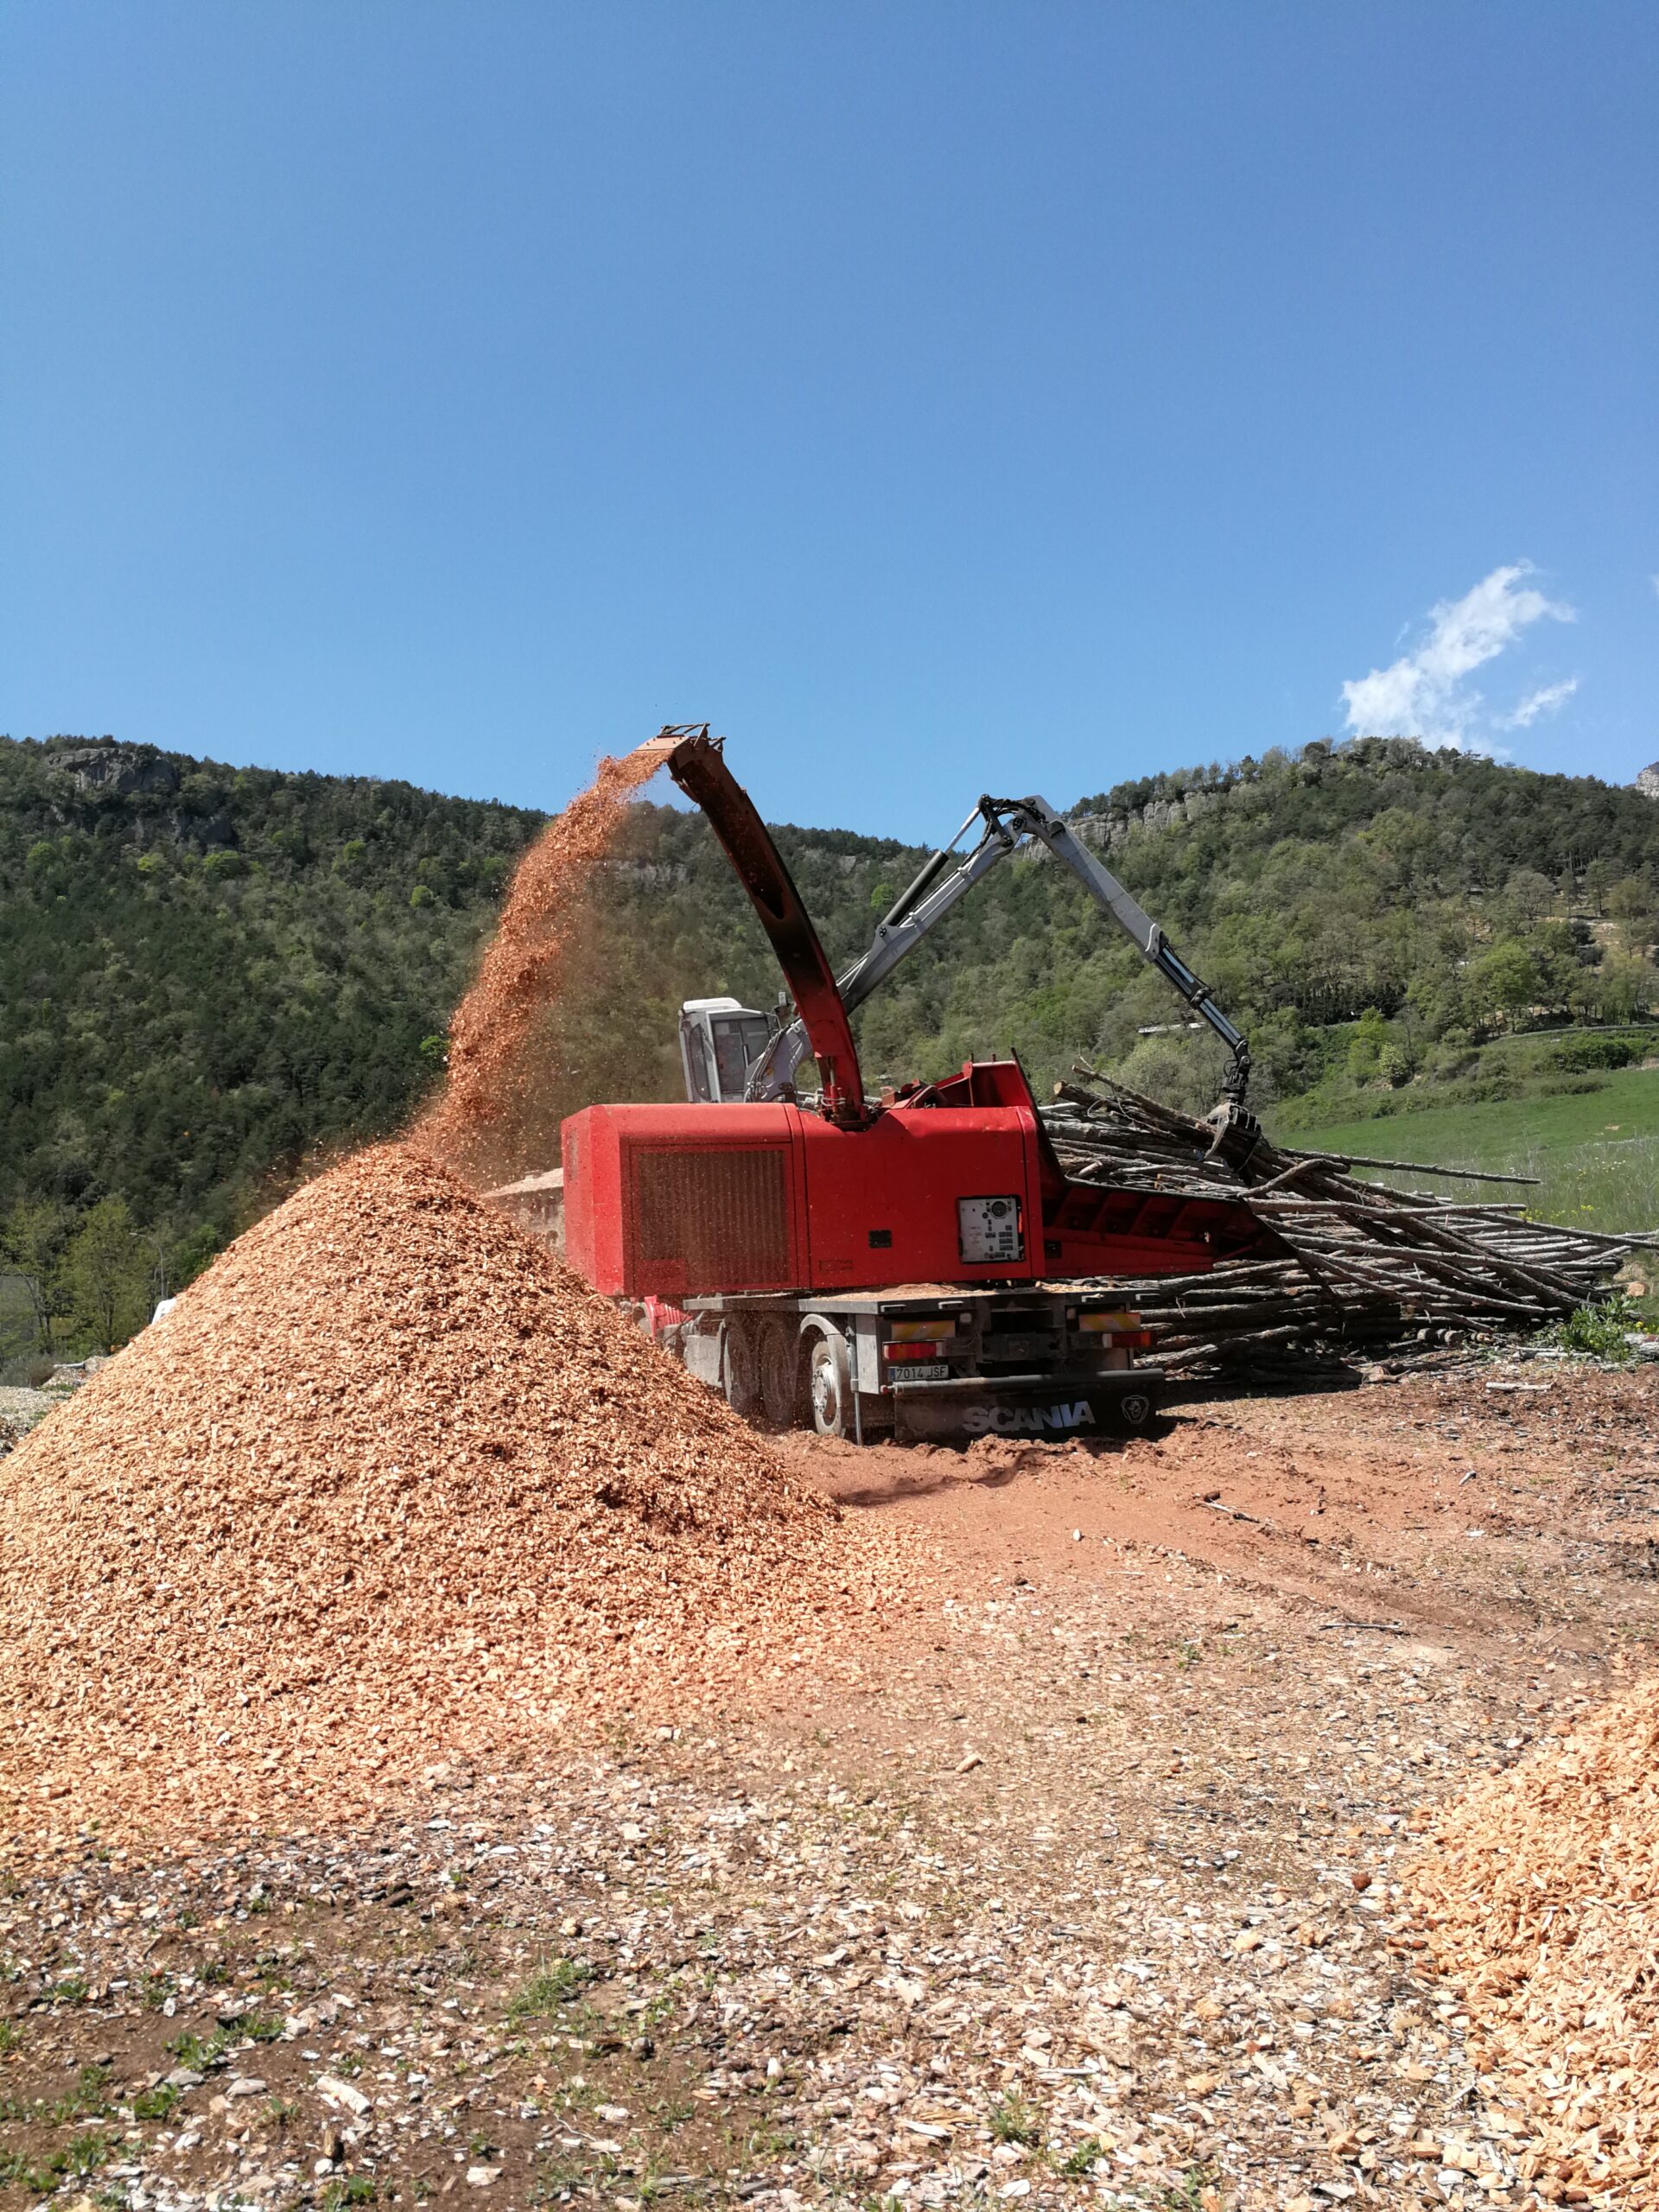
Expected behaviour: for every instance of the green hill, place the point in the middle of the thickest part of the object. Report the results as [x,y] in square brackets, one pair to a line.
[209,975]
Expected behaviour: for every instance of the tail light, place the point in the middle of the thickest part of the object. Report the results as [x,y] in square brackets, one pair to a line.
[894,1353]
[920,1332]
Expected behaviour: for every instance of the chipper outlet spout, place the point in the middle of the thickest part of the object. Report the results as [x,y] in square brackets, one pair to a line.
[697,763]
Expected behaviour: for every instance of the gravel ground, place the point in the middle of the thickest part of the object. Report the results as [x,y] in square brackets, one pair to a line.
[1089,1893]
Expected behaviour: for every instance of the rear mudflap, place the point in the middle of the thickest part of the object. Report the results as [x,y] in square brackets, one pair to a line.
[1051,1408]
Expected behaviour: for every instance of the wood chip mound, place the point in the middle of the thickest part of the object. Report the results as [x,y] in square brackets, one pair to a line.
[389,1484]
[1541,1898]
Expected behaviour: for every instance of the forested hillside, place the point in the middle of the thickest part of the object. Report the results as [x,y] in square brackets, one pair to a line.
[205,973]
[209,974]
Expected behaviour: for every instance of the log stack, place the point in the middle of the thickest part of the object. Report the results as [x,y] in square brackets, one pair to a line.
[1363,1263]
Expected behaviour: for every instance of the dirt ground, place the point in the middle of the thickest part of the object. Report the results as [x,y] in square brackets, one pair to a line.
[1090,1894]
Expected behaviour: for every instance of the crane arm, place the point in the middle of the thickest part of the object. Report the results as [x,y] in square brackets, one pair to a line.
[1006,824]
[1035,817]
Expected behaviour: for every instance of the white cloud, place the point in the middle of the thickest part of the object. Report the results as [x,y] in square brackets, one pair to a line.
[1540,702]
[1426,693]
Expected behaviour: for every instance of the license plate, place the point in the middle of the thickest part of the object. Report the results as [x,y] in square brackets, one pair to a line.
[923,1371]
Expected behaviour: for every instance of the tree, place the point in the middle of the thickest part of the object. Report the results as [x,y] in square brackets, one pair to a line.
[1598,879]
[1367,1044]
[1623,985]
[1437,996]
[1532,895]
[1556,961]
[33,1243]
[108,1268]
[1631,904]
[1505,980]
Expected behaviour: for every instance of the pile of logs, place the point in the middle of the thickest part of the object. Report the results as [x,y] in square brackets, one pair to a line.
[1363,1263]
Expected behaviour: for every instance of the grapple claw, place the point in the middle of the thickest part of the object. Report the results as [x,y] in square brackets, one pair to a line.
[1235,1134]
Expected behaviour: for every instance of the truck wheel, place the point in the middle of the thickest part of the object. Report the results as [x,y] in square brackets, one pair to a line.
[830,1384]
[782,1378]
[739,1370]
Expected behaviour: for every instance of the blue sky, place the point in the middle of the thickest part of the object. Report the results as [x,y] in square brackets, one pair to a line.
[936,397]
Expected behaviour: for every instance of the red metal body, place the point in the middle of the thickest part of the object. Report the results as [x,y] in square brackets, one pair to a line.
[674,1202]
[678,1201]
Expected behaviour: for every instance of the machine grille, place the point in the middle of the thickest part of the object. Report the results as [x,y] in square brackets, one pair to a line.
[706,1220]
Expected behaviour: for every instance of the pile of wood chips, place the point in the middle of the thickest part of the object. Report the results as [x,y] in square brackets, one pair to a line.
[390,1483]
[1541,1898]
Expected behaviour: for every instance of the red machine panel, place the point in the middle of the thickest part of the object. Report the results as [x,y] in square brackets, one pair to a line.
[924,1196]
[675,1201]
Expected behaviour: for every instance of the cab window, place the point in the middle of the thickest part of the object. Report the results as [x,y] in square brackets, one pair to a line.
[738,1045]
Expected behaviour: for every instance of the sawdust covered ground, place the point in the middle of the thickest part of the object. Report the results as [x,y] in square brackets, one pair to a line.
[1541,1898]
[1083,1879]
[389,1484]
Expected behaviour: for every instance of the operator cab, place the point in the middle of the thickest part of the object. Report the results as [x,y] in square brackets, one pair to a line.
[719,1042]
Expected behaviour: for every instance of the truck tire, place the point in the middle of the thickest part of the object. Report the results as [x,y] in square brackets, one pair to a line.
[830,1385]
[783,1373]
[740,1369]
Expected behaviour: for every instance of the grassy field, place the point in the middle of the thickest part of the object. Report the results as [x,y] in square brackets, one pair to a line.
[1595,1153]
